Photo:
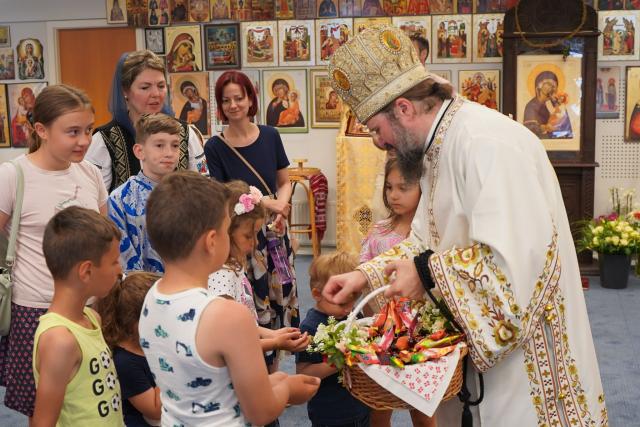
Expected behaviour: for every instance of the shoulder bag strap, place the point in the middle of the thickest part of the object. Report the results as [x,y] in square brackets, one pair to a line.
[247,164]
[15,216]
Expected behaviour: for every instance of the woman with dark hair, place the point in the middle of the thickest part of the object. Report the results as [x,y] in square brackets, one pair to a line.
[139,87]
[262,149]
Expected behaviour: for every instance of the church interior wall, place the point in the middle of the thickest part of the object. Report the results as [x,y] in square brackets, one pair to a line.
[619,161]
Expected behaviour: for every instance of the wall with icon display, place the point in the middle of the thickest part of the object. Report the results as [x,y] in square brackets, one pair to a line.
[291,41]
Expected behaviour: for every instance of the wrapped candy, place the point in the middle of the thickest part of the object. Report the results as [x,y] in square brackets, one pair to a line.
[429,343]
[387,339]
[369,359]
[396,337]
[396,362]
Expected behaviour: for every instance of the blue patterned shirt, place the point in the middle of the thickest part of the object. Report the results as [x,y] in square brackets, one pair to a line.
[127,208]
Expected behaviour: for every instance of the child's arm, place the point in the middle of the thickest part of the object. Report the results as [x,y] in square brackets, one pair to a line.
[289,339]
[148,403]
[136,387]
[58,358]
[227,335]
[311,363]
[320,370]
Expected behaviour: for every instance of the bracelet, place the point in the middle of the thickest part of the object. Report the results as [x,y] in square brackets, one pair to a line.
[422,266]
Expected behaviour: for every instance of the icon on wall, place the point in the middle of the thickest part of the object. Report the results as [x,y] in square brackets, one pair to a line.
[30,59]
[185,54]
[481,86]
[4,118]
[7,64]
[285,99]
[22,99]
[190,99]
[607,91]
[154,40]
[549,98]
[296,42]
[222,46]
[259,47]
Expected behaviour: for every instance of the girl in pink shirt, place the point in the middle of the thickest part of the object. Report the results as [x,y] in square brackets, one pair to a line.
[55,177]
[401,198]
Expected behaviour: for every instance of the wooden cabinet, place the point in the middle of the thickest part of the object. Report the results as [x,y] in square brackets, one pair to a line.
[566,28]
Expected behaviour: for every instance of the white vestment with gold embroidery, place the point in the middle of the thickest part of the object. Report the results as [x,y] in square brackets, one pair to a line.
[492,211]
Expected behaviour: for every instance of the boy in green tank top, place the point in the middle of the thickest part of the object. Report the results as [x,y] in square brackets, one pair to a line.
[76,382]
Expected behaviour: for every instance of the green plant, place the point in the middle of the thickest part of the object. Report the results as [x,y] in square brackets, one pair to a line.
[610,235]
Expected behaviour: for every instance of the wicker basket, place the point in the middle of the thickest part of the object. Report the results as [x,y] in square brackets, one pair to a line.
[366,390]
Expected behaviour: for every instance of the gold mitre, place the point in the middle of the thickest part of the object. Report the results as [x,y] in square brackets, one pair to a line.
[374,68]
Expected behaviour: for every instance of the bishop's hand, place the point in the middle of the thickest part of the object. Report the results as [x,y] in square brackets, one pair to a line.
[344,289]
[406,282]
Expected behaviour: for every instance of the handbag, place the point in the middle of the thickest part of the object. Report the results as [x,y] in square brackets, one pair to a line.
[5,273]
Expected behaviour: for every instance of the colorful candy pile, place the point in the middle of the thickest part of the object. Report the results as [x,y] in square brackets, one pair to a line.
[397,338]
[404,332]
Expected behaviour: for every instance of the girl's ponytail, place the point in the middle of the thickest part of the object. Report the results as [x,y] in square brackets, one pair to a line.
[34,141]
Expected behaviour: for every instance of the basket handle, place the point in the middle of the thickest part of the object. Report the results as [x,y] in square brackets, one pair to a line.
[365,300]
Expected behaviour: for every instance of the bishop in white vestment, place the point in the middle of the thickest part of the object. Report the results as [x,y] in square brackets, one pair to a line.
[503,257]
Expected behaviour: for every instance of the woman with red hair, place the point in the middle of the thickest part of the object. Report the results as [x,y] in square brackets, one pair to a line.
[255,154]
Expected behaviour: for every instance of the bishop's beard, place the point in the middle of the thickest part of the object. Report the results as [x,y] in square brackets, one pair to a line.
[408,152]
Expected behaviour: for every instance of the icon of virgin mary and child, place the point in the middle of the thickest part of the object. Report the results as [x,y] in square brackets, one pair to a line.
[546,113]
[284,109]
[181,57]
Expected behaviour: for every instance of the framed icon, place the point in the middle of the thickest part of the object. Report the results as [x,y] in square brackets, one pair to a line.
[326,105]
[285,99]
[221,46]
[154,40]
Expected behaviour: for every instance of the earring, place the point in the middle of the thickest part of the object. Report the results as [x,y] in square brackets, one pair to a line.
[126,98]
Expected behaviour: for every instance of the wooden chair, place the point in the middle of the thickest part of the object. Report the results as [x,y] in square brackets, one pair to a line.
[300,176]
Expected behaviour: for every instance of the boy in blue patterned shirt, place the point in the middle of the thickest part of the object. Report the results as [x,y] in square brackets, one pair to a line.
[204,351]
[158,149]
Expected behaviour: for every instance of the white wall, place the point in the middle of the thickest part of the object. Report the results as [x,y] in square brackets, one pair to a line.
[619,160]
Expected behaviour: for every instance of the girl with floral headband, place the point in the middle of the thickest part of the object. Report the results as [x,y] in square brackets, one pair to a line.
[247,218]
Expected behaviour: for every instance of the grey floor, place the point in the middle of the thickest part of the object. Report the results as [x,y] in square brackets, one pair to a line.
[615,321]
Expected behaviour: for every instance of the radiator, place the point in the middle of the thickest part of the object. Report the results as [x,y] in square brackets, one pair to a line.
[300,215]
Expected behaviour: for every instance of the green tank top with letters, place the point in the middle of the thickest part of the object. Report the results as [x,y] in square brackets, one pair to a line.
[93,395]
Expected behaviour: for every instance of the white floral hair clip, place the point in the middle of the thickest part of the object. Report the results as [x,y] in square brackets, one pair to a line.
[248,202]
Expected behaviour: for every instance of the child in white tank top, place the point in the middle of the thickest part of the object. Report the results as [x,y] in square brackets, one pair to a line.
[203,350]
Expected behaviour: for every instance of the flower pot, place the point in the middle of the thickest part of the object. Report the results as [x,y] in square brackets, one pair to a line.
[614,270]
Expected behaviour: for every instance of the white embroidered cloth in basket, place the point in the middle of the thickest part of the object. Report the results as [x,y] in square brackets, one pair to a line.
[422,385]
